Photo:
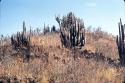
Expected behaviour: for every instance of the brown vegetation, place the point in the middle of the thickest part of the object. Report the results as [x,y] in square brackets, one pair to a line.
[97,62]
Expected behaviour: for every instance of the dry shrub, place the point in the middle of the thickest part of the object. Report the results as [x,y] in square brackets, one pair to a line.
[98,40]
[61,67]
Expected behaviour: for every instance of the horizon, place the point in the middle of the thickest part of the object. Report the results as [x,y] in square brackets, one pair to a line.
[105,14]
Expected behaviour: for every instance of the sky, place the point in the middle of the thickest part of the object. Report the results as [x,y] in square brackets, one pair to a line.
[95,13]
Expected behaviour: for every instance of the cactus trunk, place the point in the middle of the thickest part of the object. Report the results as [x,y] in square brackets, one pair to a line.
[121,43]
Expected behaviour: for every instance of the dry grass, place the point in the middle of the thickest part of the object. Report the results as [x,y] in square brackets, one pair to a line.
[61,66]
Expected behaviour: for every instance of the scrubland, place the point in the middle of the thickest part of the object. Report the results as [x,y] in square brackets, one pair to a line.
[96,62]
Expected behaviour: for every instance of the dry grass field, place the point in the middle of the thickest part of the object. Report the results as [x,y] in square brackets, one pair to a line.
[96,62]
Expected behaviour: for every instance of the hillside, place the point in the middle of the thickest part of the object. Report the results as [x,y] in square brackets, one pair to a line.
[96,62]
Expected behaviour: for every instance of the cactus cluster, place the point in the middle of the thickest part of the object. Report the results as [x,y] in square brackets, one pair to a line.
[46,29]
[72,31]
[121,42]
[21,42]
[20,39]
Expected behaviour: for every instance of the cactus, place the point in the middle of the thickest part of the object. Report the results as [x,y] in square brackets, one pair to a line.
[46,29]
[24,28]
[21,42]
[72,31]
[121,42]
[2,45]
[53,29]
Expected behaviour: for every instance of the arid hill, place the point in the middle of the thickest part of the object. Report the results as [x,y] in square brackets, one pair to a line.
[96,62]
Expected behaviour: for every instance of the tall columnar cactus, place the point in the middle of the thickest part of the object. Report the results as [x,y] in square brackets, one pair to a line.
[24,28]
[121,42]
[1,44]
[72,31]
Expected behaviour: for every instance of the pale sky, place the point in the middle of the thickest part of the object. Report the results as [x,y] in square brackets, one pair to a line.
[103,13]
